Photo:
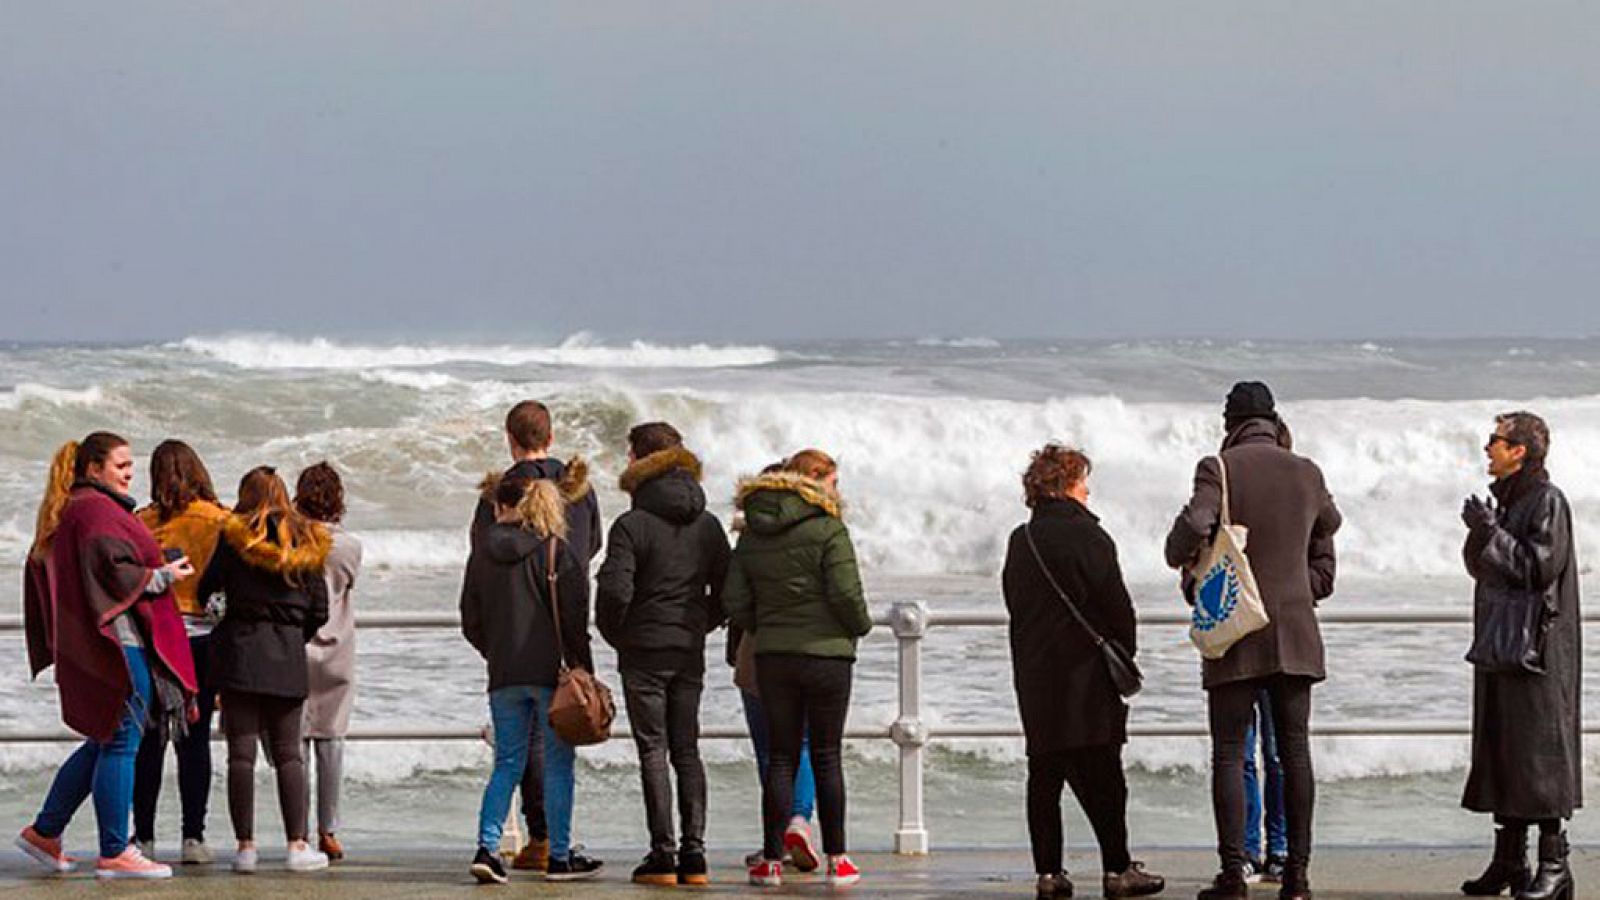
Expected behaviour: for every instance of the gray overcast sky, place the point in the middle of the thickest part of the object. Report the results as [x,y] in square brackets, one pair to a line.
[749,170]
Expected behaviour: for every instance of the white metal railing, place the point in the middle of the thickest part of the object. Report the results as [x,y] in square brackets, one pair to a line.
[910,622]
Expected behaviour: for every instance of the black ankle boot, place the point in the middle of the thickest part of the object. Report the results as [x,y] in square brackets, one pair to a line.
[1553,881]
[1296,883]
[1509,868]
[1228,885]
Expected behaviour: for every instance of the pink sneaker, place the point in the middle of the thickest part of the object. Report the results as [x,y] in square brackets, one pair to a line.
[797,843]
[842,872]
[131,864]
[45,851]
[767,873]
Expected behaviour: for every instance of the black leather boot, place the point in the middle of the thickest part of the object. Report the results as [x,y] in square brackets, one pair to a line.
[1509,868]
[1228,885]
[1553,881]
[1296,883]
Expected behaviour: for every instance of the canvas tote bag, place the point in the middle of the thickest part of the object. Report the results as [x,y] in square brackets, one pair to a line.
[1227,603]
[582,708]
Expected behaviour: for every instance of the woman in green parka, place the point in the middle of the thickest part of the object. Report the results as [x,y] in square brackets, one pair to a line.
[794,588]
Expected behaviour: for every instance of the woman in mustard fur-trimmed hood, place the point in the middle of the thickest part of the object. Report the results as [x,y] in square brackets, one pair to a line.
[268,564]
[794,588]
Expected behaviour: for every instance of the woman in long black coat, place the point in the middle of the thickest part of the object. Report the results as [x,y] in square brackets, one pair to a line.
[1527,730]
[1073,717]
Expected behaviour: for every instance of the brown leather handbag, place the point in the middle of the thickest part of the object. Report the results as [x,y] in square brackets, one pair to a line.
[582,708]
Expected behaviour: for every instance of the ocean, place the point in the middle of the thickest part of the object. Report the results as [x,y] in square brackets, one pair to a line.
[931,436]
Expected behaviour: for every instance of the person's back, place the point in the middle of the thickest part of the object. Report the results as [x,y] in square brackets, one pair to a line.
[659,591]
[508,620]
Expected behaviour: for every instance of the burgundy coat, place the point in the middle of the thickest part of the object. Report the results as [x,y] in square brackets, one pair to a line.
[99,565]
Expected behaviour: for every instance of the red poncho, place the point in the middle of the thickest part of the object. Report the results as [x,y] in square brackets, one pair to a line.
[98,568]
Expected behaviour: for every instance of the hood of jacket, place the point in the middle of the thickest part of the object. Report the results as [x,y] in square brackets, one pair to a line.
[666,484]
[778,501]
[571,477]
[266,553]
[1252,431]
[509,544]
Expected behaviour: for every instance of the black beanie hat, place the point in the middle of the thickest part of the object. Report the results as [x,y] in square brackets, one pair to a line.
[1249,400]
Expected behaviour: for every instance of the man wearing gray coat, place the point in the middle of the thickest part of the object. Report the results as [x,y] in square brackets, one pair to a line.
[1281,498]
[1527,729]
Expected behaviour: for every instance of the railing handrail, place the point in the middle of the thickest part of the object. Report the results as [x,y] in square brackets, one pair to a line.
[975,619]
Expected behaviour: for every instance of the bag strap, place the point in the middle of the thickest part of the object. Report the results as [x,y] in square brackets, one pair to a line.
[555,600]
[1027,529]
[1222,466]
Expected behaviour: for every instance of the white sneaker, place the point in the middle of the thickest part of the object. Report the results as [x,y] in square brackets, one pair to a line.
[196,853]
[307,860]
[244,861]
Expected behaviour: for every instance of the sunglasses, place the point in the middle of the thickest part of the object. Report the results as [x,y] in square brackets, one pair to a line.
[1500,438]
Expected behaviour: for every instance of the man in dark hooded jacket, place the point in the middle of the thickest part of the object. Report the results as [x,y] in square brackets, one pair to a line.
[1527,728]
[528,438]
[659,594]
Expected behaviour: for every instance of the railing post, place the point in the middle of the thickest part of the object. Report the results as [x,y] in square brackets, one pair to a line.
[910,623]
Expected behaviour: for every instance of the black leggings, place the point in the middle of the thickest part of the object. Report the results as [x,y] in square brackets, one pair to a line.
[1232,711]
[1095,774]
[800,692]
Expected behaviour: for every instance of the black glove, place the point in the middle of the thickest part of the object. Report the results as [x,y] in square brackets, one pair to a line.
[1477,514]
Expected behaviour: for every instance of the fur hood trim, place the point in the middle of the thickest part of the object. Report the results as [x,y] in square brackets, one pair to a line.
[265,553]
[573,483]
[810,490]
[657,464]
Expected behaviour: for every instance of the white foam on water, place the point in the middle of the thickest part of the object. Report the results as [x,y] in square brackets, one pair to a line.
[267,351]
[413,549]
[14,398]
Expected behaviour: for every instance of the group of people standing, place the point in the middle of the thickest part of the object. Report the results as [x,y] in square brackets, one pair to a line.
[1066,596]
[125,604]
[789,591]
[154,617]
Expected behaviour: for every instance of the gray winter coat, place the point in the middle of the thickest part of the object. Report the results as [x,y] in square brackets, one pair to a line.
[1527,730]
[1282,500]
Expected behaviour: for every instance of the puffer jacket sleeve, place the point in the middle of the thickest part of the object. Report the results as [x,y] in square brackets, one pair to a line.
[1535,560]
[615,584]
[716,541]
[572,585]
[738,600]
[843,580]
[472,607]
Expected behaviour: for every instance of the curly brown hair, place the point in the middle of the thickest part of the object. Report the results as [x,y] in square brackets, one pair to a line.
[1053,469]
[319,493]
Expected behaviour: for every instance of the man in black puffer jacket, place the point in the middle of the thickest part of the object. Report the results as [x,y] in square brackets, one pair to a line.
[659,595]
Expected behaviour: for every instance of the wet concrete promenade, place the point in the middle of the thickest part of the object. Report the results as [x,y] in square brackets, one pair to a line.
[1338,874]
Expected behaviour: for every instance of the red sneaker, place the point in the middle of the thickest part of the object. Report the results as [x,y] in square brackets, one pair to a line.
[45,851]
[131,864]
[842,872]
[797,843]
[767,873]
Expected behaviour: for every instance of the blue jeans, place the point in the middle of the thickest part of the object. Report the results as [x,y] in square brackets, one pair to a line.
[805,783]
[104,770]
[1277,827]
[514,710]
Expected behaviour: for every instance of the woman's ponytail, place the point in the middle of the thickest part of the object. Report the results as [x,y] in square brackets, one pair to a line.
[542,510]
[57,489]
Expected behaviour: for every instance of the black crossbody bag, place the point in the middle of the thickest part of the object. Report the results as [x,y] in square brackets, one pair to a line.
[1125,674]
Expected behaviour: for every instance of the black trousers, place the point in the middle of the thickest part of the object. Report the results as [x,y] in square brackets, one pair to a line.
[1232,711]
[194,760]
[664,712]
[800,692]
[533,786]
[1095,775]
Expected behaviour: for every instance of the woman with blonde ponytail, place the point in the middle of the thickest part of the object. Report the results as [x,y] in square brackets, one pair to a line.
[269,564]
[506,615]
[98,607]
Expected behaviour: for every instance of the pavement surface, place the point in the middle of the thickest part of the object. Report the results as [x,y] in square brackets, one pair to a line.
[1337,874]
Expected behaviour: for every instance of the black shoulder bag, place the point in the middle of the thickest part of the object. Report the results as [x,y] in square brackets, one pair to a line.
[1125,674]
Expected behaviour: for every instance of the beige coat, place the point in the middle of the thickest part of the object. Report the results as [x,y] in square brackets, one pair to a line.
[331,655]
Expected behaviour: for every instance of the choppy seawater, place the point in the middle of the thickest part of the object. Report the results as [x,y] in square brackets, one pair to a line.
[931,436]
